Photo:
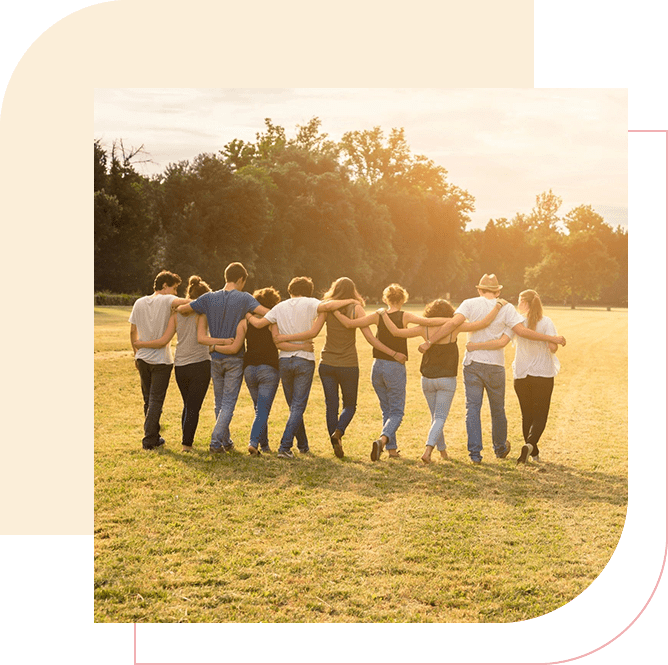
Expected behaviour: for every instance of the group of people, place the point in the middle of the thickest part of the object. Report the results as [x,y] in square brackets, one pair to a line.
[229,335]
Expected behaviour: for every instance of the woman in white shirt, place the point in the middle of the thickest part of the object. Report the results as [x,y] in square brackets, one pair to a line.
[534,369]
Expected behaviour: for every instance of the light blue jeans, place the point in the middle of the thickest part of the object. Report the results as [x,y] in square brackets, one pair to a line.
[388,379]
[438,393]
[478,378]
[262,382]
[227,375]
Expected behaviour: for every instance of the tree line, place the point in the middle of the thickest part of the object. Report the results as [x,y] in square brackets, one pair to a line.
[365,207]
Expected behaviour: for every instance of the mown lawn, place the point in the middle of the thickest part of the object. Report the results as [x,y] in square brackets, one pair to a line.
[188,537]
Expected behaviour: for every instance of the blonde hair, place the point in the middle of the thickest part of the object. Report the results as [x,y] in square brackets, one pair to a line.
[395,294]
[535,313]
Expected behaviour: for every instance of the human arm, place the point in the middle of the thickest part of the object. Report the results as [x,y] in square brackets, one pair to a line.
[184,309]
[360,321]
[166,338]
[312,332]
[553,347]
[491,345]
[377,344]
[401,332]
[296,346]
[471,326]
[260,310]
[527,333]
[204,338]
[442,332]
[331,305]
[231,349]
[258,321]
[133,337]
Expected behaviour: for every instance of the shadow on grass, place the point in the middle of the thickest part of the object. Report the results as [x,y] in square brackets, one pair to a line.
[495,481]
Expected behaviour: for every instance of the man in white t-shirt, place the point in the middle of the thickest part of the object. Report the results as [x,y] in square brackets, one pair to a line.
[148,321]
[484,370]
[301,313]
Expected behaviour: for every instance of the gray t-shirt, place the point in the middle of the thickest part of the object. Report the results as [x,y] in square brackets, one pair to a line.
[151,315]
[188,350]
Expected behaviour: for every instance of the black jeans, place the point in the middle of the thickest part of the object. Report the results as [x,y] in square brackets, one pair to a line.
[193,382]
[154,382]
[534,394]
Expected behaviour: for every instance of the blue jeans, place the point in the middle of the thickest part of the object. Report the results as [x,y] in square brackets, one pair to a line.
[227,375]
[479,377]
[347,378]
[262,382]
[296,377]
[388,379]
[438,393]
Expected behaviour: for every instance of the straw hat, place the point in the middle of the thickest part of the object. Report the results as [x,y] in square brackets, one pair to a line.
[489,282]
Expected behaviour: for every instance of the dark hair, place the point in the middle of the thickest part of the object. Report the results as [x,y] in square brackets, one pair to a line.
[234,272]
[267,297]
[301,286]
[343,288]
[196,287]
[438,308]
[165,278]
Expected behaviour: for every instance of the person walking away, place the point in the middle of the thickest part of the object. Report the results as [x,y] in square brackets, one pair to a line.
[148,321]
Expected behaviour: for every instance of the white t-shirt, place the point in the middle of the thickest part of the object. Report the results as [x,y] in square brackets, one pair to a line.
[292,316]
[151,315]
[475,309]
[535,358]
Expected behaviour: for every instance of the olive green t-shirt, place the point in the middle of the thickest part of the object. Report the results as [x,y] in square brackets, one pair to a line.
[340,349]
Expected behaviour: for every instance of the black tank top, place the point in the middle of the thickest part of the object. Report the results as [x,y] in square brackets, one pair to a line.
[260,347]
[440,360]
[397,344]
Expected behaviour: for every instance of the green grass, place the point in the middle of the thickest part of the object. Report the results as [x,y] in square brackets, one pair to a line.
[187,537]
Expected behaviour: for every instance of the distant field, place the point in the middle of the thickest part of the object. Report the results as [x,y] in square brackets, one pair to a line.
[187,537]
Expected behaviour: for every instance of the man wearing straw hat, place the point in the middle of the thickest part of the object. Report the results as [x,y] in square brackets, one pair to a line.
[484,370]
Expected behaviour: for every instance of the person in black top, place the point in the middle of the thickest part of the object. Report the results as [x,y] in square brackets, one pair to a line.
[438,367]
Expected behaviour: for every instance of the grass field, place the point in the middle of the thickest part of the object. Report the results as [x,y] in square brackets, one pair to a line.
[187,537]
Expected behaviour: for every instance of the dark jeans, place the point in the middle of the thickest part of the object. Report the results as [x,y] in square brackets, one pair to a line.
[333,378]
[534,394]
[154,382]
[193,382]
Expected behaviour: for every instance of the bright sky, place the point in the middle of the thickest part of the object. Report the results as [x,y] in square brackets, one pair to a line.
[503,145]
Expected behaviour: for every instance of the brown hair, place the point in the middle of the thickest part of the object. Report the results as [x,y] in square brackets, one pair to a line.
[196,287]
[301,286]
[234,272]
[165,278]
[343,288]
[394,294]
[535,313]
[439,307]
[267,297]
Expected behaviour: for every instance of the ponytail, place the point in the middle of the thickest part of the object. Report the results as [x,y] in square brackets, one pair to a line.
[535,313]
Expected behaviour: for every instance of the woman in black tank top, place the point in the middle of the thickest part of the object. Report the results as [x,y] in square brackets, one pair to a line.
[438,367]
